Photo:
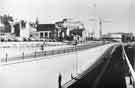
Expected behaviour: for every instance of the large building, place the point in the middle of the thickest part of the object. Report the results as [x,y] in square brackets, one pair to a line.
[69,28]
[47,31]
[22,29]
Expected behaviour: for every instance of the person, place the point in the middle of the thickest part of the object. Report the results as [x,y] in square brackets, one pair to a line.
[42,47]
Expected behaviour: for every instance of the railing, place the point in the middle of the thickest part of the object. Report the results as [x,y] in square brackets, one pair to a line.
[131,70]
[50,52]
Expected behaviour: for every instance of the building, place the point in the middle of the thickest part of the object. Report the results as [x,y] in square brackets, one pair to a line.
[113,36]
[17,29]
[68,29]
[1,27]
[46,31]
[21,29]
[61,30]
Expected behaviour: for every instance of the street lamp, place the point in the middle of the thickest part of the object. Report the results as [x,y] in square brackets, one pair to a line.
[73,76]
[100,20]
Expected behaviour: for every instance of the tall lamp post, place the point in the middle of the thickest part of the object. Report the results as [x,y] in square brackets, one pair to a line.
[76,61]
[100,20]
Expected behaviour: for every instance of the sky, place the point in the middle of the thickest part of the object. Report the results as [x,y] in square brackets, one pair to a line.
[119,13]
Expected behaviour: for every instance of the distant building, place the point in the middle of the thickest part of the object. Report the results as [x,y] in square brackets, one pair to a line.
[113,36]
[25,30]
[46,31]
[69,28]
[22,29]
[61,30]
[1,27]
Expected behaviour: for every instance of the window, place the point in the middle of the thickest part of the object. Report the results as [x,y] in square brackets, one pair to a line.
[46,34]
[41,35]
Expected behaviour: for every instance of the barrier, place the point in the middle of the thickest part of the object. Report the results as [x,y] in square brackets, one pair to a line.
[131,70]
[36,54]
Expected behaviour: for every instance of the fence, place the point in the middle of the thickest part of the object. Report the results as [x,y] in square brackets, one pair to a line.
[131,70]
[50,52]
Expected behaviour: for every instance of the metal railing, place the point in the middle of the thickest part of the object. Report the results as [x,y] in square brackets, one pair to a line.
[50,52]
[131,70]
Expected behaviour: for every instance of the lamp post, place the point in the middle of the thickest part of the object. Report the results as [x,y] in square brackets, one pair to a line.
[76,64]
[75,68]
[99,20]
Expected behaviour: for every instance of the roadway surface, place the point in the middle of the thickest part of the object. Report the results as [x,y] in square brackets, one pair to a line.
[43,72]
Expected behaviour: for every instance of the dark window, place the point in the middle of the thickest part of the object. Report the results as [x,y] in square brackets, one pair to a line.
[46,34]
[17,29]
[41,35]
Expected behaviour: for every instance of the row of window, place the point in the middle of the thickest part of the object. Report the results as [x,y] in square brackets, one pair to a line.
[45,34]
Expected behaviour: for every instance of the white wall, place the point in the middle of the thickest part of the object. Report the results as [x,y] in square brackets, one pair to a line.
[25,32]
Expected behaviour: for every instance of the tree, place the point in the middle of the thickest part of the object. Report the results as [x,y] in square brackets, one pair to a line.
[6,20]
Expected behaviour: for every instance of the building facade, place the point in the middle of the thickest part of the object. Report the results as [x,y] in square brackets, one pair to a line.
[46,31]
[22,29]
[68,29]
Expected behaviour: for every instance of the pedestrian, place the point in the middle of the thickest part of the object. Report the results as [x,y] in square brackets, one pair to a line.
[42,47]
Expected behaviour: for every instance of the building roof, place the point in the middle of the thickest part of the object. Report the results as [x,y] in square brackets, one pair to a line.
[45,27]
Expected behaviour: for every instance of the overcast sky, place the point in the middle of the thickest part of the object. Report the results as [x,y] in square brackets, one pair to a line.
[119,12]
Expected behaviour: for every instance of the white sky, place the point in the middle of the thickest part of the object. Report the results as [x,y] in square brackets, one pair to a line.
[120,12]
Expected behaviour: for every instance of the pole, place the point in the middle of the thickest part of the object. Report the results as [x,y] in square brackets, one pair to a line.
[59,80]
[6,57]
[76,59]
[23,55]
[134,58]
[100,25]
[35,53]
